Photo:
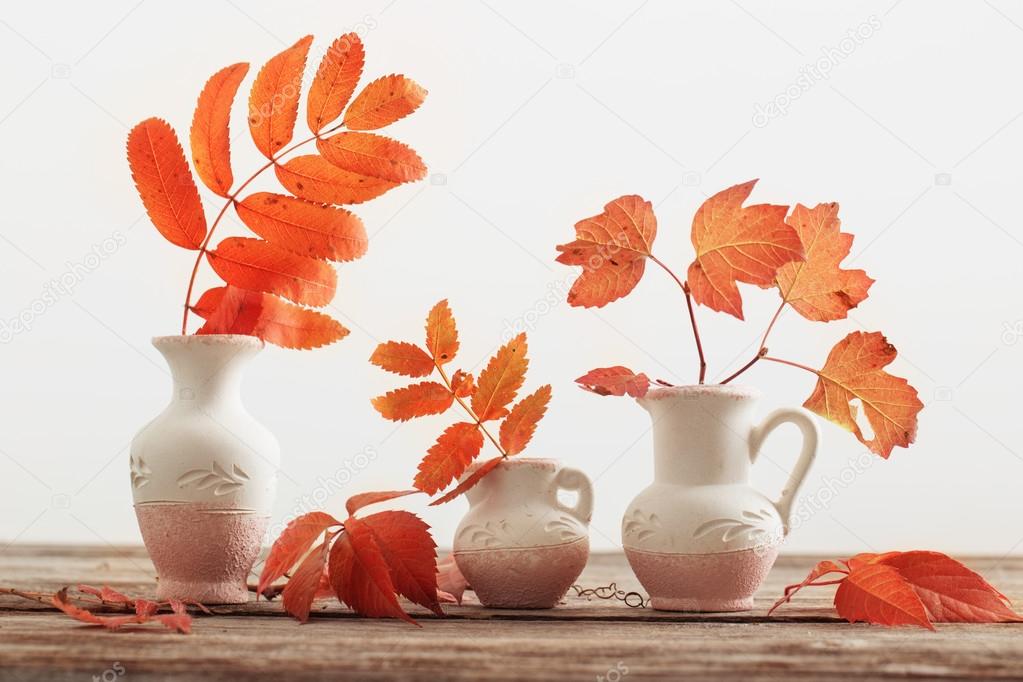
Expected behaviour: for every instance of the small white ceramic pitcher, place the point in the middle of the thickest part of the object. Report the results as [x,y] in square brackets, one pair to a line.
[700,537]
[519,546]
[204,473]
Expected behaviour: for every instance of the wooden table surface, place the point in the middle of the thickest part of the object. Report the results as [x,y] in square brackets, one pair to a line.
[580,640]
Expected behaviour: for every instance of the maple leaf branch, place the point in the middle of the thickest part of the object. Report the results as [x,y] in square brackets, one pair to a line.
[791,364]
[762,351]
[692,314]
[232,199]
[472,415]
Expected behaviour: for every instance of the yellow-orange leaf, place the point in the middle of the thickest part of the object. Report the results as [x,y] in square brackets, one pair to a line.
[612,249]
[383,102]
[455,450]
[738,244]
[373,155]
[500,380]
[304,227]
[417,400]
[441,333]
[517,429]
[854,371]
[273,101]
[402,358]
[161,175]
[230,310]
[335,81]
[261,266]
[210,136]
[818,288]
[314,178]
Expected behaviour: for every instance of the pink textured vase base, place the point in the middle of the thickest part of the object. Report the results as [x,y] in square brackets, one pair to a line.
[725,581]
[201,552]
[526,577]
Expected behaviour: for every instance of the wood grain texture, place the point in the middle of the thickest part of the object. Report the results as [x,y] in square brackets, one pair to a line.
[582,639]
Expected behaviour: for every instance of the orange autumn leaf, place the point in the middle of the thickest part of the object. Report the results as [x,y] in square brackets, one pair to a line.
[615,380]
[463,384]
[879,594]
[403,358]
[518,427]
[304,227]
[313,178]
[145,612]
[273,100]
[454,450]
[360,575]
[357,502]
[165,183]
[417,400]
[292,544]
[854,371]
[210,137]
[383,102]
[612,249]
[410,553]
[500,381]
[335,81]
[441,333]
[472,479]
[738,244]
[258,265]
[818,288]
[299,593]
[373,155]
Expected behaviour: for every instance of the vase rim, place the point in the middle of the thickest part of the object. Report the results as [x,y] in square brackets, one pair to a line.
[514,462]
[693,391]
[239,340]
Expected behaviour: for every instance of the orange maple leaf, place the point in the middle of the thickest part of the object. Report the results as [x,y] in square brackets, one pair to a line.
[210,136]
[417,400]
[304,227]
[383,102]
[454,450]
[273,100]
[738,244]
[372,155]
[615,380]
[335,81]
[518,427]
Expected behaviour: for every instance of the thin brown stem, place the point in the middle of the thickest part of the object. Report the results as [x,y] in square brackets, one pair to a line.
[760,354]
[762,351]
[692,315]
[468,409]
[791,364]
[41,597]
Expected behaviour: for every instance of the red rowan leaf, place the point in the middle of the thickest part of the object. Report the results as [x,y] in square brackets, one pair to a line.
[472,479]
[411,555]
[258,265]
[273,101]
[313,178]
[441,333]
[454,450]
[292,544]
[417,400]
[612,249]
[299,593]
[383,102]
[403,358]
[500,381]
[360,575]
[335,81]
[879,594]
[357,502]
[738,244]
[165,183]
[373,155]
[615,380]
[210,136]
[304,227]
[518,427]
[463,384]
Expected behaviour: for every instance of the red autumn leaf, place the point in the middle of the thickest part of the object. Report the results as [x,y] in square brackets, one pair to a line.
[879,594]
[360,575]
[818,288]
[293,543]
[518,427]
[335,81]
[106,594]
[144,613]
[860,560]
[854,371]
[273,101]
[210,136]
[299,593]
[313,178]
[411,555]
[258,265]
[165,184]
[403,358]
[383,102]
[357,502]
[441,333]
[417,400]
[821,569]
[304,227]
[472,479]
[373,155]
[499,382]
[615,380]
[738,244]
[463,384]
[612,249]
[454,450]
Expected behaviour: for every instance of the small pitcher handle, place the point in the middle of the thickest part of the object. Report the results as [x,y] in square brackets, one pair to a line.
[574,480]
[811,438]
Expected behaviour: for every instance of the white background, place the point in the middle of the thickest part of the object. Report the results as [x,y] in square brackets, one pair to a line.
[538,113]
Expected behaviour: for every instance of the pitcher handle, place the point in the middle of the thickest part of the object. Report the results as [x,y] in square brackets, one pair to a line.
[811,438]
[574,480]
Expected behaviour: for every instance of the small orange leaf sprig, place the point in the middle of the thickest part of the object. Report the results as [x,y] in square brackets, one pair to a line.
[273,280]
[367,562]
[907,588]
[484,400]
[798,253]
